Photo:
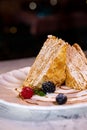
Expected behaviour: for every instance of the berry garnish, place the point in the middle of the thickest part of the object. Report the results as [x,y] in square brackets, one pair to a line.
[48,87]
[61,98]
[26,93]
[39,92]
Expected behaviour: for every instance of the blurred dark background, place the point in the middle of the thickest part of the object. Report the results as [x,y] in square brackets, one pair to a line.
[25,24]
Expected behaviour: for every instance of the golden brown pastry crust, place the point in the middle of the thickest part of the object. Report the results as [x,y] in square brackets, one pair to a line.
[76,68]
[50,64]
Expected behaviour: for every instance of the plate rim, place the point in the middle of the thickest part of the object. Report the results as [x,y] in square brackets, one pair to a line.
[35,107]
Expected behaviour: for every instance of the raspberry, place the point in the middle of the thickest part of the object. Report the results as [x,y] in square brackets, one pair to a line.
[26,93]
[48,87]
[61,98]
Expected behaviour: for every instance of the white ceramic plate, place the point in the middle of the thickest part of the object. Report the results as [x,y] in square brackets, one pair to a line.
[15,108]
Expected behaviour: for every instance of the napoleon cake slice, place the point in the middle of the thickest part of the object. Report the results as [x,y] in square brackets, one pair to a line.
[76,68]
[49,65]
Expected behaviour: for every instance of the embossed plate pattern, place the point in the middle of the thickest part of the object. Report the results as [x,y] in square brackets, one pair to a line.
[13,107]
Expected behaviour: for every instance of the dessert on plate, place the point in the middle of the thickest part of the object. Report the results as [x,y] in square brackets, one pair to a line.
[50,64]
[58,63]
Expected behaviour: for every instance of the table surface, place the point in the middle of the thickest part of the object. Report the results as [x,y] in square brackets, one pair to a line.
[9,65]
[7,124]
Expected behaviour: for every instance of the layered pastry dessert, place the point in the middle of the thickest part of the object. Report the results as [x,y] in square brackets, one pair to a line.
[76,68]
[57,64]
[50,64]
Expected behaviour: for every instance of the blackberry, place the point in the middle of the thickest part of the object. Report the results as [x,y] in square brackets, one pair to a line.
[61,98]
[48,87]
